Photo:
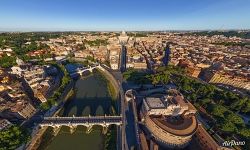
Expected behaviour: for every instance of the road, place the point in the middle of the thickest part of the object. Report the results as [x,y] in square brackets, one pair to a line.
[128,129]
[127,124]
[123,59]
[81,120]
[121,107]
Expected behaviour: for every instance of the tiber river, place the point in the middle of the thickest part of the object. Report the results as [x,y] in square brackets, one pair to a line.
[91,98]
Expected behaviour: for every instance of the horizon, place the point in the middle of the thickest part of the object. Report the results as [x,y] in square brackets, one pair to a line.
[111,15]
[177,30]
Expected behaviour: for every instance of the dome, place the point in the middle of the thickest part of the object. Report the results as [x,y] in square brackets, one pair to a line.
[123,33]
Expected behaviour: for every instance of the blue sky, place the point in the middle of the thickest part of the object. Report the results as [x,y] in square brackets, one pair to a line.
[31,15]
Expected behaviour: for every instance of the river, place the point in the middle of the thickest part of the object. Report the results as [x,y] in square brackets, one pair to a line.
[91,97]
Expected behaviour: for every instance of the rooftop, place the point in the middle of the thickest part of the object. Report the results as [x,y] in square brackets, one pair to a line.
[155,103]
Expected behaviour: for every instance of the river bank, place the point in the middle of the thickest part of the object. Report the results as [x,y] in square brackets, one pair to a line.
[37,134]
[92,96]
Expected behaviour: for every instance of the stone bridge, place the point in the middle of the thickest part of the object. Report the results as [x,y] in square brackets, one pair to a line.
[82,70]
[88,121]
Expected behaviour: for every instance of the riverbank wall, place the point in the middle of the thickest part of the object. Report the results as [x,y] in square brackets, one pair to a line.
[37,133]
[111,79]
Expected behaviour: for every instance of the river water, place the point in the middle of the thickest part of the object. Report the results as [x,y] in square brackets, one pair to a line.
[91,98]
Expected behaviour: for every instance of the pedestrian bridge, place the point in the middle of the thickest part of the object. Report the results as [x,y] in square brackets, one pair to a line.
[88,121]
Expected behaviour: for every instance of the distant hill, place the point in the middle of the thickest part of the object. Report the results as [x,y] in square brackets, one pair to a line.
[241,34]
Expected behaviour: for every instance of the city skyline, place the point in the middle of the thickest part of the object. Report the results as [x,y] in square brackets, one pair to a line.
[117,15]
[166,90]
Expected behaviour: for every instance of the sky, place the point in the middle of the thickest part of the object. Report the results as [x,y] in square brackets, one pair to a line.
[117,15]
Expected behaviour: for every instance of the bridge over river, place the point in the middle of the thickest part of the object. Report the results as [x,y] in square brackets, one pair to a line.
[80,71]
[91,93]
[88,121]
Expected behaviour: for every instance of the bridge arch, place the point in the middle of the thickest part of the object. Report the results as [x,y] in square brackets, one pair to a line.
[87,121]
[90,68]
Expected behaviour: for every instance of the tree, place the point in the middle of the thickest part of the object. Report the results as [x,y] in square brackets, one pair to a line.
[227,126]
[192,97]
[217,110]
[136,76]
[238,103]
[44,106]
[12,138]
[158,78]
[246,107]
[7,61]
[205,101]
[245,132]
[234,118]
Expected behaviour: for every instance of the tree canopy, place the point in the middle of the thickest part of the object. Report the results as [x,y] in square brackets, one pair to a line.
[7,61]
[13,137]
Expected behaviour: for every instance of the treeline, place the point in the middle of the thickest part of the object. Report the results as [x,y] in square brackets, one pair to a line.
[59,91]
[97,42]
[23,43]
[13,137]
[243,34]
[210,97]
[139,34]
[223,106]
[161,77]
[19,39]
[137,77]
[25,48]
[7,61]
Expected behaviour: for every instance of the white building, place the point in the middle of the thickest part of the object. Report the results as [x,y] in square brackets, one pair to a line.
[123,38]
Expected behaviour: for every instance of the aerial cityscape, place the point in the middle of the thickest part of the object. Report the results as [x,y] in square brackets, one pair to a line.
[95,75]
